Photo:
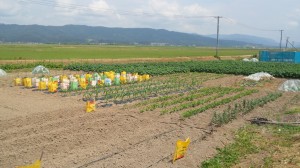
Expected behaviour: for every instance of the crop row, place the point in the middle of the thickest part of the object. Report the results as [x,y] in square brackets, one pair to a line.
[243,108]
[167,100]
[217,103]
[225,67]
[195,101]
[9,67]
[163,86]
[138,91]
[288,70]
[213,96]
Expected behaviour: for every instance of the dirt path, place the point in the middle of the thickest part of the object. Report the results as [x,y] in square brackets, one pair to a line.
[128,60]
[31,121]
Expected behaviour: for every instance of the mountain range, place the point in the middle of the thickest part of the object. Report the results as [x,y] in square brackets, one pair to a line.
[247,38]
[81,34]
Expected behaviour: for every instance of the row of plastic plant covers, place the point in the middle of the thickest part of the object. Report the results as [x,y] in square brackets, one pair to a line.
[76,81]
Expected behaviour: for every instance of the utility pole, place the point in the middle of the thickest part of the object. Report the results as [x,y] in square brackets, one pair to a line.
[218,25]
[280,38]
[286,44]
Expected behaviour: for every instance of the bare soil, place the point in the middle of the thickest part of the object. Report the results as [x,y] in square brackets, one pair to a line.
[35,121]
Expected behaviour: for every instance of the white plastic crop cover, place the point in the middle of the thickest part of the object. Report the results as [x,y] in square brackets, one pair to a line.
[290,85]
[40,70]
[2,73]
[254,60]
[258,76]
[250,60]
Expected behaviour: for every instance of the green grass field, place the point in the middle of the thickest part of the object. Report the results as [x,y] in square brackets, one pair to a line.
[47,51]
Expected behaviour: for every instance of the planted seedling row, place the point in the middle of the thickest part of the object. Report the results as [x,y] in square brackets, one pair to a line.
[144,90]
[215,94]
[214,104]
[191,97]
[243,108]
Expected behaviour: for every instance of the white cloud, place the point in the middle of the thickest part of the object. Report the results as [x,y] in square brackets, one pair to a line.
[196,10]
[68,7]
[293,23]
[171,8]
[8,7]
[63,2]
[293,18]
[99,6]
[165,8]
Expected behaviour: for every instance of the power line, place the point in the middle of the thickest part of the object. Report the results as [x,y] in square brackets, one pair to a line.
[292,45]
[78,7]
[248,26]
[68,6]
[256,28]
[121,12]
[53,4]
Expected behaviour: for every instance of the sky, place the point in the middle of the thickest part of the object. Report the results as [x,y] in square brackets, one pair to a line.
[263,18]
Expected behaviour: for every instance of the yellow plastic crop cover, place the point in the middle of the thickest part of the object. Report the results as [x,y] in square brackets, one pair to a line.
[82,80]
[18,81]
[83,85]
[107,74]
[52,87]
[100,82]
[140,78]
[27,82]
[123,79]
[181,147]
[88,76]
[110,75]
[36,164]
[42,85]
[90,106]
[146,77]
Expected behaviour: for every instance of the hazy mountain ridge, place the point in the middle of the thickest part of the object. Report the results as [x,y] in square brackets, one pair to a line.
[81,34]
[247,38]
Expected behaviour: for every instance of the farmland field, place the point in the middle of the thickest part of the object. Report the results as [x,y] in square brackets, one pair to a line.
[136,124]
[46,52]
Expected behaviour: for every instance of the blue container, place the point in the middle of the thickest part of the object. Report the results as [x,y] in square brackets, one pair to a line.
[268,56]
[297,57]
[264,56]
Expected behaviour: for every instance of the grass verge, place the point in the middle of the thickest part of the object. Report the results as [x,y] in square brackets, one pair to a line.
[232,153]
[260,146]
[295,110]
